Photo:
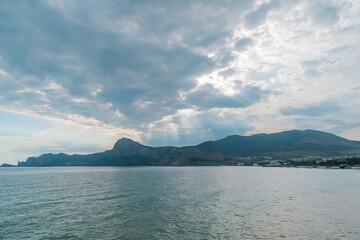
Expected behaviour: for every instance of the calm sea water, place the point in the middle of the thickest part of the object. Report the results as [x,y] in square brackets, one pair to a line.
[179,203]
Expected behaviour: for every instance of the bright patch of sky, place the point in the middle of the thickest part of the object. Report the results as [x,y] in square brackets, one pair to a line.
[77,75]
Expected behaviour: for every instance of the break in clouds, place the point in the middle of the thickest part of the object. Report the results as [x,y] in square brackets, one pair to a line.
[77,75]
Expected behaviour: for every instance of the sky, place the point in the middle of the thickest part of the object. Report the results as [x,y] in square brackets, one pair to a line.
[75,76]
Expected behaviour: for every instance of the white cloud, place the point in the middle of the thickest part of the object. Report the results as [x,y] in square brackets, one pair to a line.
[3,73]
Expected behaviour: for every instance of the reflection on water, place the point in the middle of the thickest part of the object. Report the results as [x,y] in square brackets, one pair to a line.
[179,203]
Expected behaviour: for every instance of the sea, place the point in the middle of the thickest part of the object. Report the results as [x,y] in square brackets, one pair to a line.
[179,203]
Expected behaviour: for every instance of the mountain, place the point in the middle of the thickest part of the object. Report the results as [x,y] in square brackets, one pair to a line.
[310,141]
[227,151]
[7,165]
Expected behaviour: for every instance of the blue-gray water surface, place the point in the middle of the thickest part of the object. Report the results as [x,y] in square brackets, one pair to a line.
[179,203]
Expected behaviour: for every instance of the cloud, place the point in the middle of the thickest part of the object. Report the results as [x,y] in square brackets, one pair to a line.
[3,73]
[315,110]
[130,67]
[264,74]
[207,97]
[258,16]
[140,64]
[242,44]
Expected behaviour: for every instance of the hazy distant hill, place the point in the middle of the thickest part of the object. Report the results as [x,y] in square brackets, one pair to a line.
[222,152]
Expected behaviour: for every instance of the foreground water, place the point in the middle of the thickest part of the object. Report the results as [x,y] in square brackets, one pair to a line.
[179,203]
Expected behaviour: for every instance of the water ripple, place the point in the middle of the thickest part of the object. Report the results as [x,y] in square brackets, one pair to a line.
[178,203]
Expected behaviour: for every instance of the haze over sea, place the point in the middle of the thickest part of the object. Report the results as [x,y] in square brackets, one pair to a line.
[179,203]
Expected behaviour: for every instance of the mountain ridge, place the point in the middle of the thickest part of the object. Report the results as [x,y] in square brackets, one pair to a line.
[225,151]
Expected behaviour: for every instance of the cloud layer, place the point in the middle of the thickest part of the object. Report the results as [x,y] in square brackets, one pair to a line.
[174,72]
